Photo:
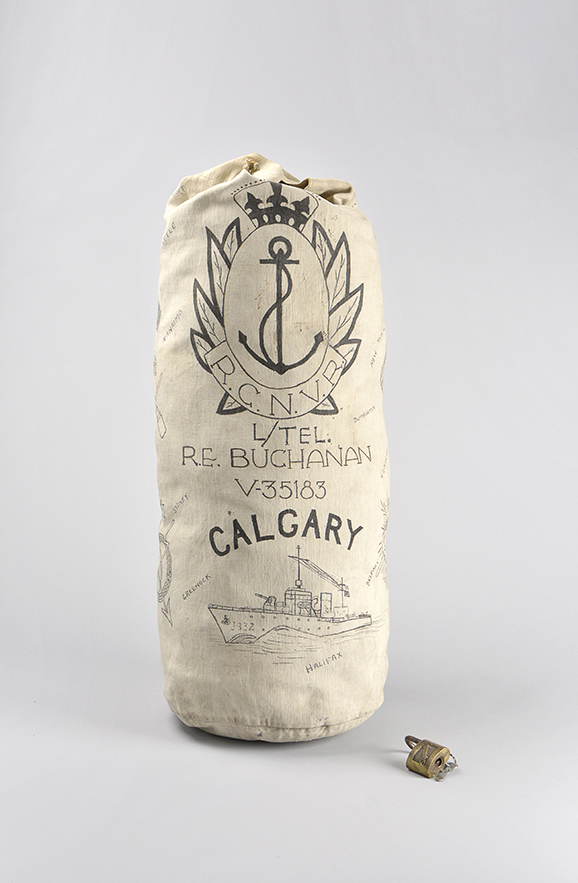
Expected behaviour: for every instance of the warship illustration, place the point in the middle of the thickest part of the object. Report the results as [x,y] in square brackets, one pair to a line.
[299,611]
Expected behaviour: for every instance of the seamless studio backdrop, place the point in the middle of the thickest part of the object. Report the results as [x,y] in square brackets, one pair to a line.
[457,124]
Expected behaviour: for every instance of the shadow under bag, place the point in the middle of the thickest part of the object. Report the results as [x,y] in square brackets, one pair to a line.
[273,467]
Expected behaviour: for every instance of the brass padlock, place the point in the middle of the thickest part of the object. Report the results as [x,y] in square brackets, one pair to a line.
[427,758]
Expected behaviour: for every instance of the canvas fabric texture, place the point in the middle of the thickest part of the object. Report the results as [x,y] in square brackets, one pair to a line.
[273,466]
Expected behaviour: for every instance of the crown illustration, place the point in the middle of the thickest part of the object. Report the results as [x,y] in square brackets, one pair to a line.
[265,203]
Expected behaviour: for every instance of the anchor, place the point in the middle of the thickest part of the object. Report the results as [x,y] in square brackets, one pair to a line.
[280,258]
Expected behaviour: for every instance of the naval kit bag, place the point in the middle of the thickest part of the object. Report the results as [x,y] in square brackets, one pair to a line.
[272,456]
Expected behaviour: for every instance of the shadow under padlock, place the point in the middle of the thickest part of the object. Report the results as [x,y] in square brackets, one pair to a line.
[429,759]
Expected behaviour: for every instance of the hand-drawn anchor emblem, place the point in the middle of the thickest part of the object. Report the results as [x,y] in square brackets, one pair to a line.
[280,250]
[275,327]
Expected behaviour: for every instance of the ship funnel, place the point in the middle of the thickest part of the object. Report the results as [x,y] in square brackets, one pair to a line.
[326,602]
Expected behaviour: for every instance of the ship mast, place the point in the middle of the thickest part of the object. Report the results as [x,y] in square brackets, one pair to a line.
[298,580]
[310,565]
[342,590]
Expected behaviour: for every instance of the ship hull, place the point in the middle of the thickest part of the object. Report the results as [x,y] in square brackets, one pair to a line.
[244,625]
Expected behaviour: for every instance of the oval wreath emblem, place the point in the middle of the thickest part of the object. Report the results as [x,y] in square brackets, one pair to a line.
[275,329]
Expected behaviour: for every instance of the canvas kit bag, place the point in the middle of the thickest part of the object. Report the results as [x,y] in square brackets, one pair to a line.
[272,455]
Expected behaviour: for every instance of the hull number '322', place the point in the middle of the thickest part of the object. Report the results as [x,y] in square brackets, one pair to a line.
[236,625]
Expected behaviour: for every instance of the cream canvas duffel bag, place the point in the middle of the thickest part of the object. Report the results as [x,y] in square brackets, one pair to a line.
[272,455]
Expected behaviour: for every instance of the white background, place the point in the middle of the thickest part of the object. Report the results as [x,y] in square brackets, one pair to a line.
[457,123]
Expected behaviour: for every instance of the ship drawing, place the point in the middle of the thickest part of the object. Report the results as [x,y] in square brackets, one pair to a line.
[299,611]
